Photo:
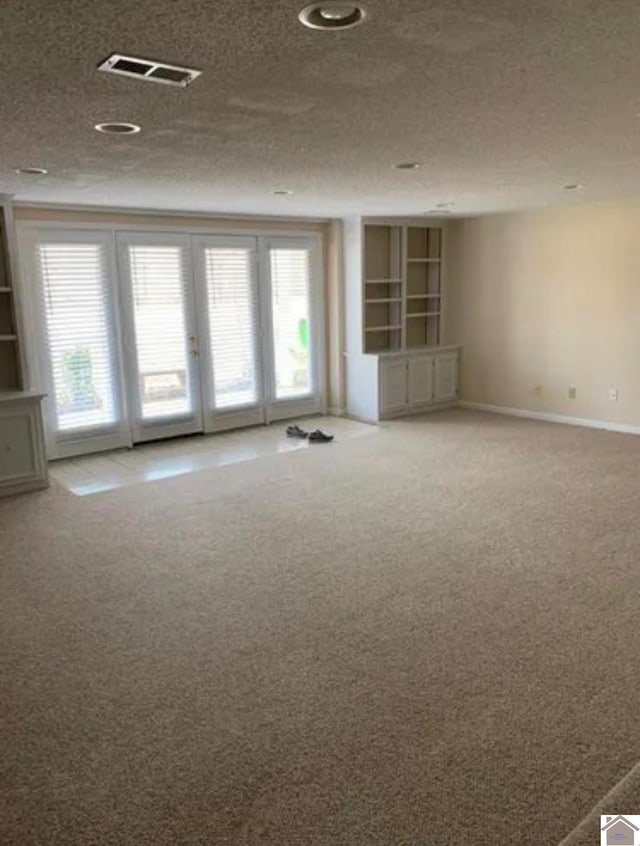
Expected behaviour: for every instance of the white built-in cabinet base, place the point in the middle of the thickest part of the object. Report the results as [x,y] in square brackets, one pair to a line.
[23,463]
[385,385]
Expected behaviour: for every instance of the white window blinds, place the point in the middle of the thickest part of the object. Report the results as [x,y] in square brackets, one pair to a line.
[290,305]
[80,334]
[233,325]
[159,293]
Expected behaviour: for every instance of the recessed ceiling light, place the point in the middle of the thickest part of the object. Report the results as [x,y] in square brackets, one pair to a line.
[573,187]
[118,128]
[32,171]
[332,15]
[281,192]
[407,166]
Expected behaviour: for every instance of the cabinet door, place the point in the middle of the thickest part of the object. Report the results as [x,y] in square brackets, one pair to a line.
[421,380]
[23,466]
[393,384]
[446,377]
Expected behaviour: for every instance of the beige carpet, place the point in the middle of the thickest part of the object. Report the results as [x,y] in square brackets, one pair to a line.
[431,636]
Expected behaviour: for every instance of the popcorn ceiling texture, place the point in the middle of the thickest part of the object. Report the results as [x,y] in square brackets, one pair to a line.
[424,637]
[503,102]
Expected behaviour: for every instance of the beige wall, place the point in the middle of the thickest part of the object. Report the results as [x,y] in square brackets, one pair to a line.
[548,299]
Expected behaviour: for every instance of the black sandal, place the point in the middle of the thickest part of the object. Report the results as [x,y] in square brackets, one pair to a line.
[320,437]
[296,432]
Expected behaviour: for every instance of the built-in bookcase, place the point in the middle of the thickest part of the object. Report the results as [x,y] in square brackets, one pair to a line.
[401,287]
[383,285]
[423,286]
[10,369]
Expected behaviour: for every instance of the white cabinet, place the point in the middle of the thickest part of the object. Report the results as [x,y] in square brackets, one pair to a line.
[23,464]
[446,377]
[392,384]
[420,376]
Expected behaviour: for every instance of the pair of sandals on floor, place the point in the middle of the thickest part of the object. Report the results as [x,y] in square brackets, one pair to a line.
[317,436]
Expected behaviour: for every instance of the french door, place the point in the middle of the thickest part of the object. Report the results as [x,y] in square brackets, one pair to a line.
[292,357]
[159,335]
[259,329]
[231,331]
[74,309]
[153,335]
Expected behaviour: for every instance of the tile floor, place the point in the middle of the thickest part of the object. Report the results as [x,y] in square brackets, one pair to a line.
[160,460]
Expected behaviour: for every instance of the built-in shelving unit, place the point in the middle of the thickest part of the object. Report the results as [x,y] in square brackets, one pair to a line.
[423,286]
[383,283]
[402,296]
[396,362]
[11,370]
[23,464]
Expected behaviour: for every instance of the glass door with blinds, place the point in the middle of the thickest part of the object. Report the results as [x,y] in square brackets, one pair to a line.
[160,335]
[293,355]
[79,361]
[259,309]
[230,331]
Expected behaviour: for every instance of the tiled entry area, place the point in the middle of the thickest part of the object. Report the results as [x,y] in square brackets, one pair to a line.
[149,462]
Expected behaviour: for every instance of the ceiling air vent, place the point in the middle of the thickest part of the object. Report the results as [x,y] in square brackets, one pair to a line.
[149,70]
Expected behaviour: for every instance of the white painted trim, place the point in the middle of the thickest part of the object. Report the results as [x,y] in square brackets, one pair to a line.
[548,417]
[409,352]
[87,446]
[337,412]
[410,411]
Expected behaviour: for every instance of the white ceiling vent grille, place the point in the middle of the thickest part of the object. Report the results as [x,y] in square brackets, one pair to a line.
[149,70]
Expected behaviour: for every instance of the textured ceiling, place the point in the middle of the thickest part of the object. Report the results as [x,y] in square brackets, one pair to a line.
[503,101]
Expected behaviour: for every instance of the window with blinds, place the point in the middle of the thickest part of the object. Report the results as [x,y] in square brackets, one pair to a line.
[158,288]
[233,325]
[80,335]
[290,306]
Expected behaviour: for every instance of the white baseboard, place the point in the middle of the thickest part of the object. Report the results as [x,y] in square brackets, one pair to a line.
[419,409]
[337,412]
[548,417]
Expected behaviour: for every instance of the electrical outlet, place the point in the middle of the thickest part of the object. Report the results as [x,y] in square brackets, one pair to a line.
[572,392]
[613,394]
